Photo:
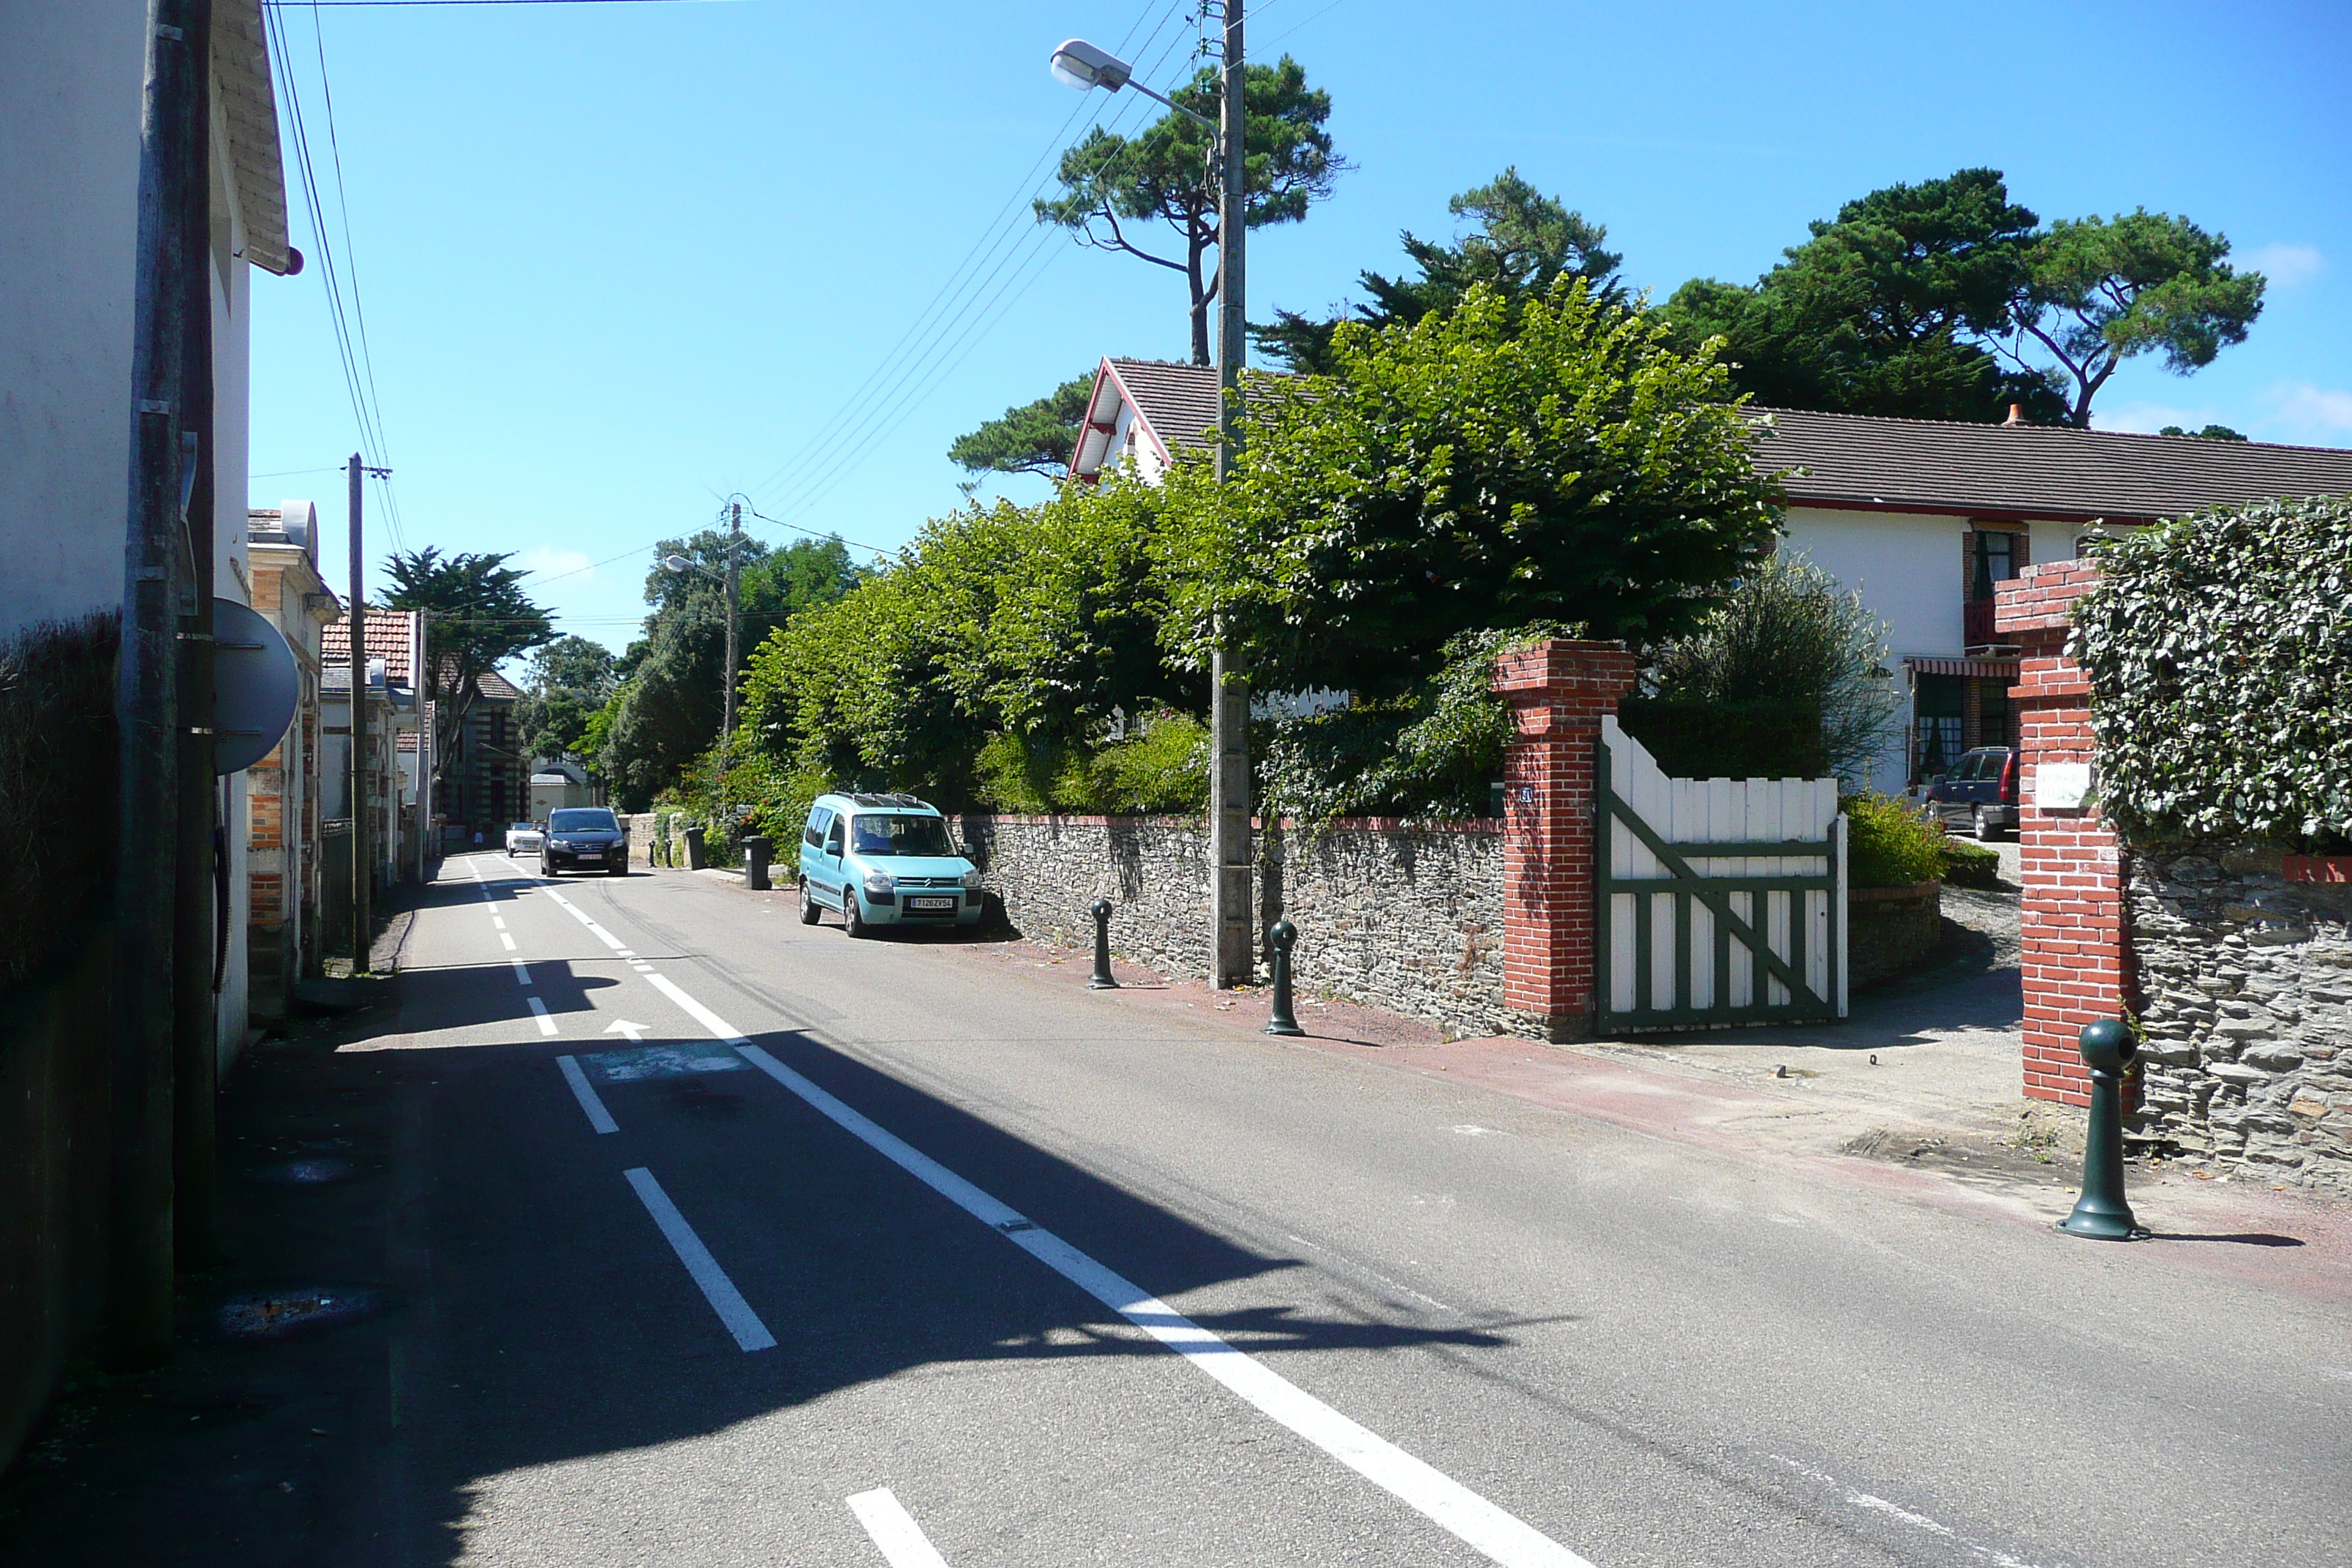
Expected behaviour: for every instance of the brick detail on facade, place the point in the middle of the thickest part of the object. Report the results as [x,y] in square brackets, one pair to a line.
[1559,692]
[2075,960]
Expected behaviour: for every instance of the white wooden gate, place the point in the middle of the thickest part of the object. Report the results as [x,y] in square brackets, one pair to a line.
[1719,902]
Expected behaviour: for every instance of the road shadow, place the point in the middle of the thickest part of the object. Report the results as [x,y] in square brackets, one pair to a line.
[2241,1238]
[522,1310]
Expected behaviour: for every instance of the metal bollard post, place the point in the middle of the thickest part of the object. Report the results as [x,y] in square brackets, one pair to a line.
[1280,936]
[1102,979]
[2102,1212]
[755,862]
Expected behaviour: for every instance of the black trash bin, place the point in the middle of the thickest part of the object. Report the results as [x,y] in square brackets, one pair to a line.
[755,862]
[696,858]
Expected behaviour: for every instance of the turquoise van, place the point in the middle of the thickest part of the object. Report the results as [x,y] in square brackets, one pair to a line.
[884,860]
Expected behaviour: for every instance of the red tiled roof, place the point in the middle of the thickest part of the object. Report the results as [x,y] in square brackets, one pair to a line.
[389,633]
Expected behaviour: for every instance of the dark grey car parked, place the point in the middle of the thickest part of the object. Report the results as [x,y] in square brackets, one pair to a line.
[583,838]
[1979,793]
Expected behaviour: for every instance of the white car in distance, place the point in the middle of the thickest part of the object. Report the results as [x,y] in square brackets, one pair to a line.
[524,837]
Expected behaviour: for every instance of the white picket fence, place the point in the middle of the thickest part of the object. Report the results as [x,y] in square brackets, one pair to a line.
[1786,829]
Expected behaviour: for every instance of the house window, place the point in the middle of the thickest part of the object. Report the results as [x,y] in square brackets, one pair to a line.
[1937,740]
[1996,562]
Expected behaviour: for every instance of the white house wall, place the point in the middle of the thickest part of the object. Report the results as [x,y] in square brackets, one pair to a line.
[70,79]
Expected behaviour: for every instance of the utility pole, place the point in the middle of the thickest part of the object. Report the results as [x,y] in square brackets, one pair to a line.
[727,691]
[1232,962]
[156,591]
[358,729]
[197,938]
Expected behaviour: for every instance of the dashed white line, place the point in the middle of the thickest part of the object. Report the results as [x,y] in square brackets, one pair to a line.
[522,970]
[716,1288]
[546,1023]
[1454,1508]
[586,1093]
[1879,1505]
[894,1529]
[507,939]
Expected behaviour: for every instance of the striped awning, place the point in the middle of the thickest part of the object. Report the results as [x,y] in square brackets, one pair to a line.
[1973,668]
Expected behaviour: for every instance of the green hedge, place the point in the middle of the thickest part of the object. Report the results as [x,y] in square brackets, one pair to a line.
[1761,739]
[2218,650]
[1888,845]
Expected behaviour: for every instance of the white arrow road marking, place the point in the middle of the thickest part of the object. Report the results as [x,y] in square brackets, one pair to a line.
[716,1288]
[546,1023]
[894,1529]
[635,1032]
[586,1093]
[1499,1534]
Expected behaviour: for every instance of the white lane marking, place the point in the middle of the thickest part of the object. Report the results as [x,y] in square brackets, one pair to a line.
[643,968]
[702,1014]
[522,970]
[498,920]
[894,1529]
[1499,1534]
[586,1093]
[716,1288]
[546,1023]
[585,918]
[507,938]
[636,1032]
[2000,1559]
[623,953]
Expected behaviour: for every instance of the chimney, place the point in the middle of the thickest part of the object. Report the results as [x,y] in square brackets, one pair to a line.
[2016,414]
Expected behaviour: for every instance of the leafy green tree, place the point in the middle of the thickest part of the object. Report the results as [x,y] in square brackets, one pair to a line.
[478,618]
[667,710]
[2098,293]
[1164,175]
[1032,438]
[1484,467]
[568,680]
[1882,309]
[2210,433]
[1524,243]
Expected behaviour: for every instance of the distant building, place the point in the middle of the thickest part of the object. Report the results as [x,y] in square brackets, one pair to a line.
[560,783]
[284,791]
[486,781]
[398,798]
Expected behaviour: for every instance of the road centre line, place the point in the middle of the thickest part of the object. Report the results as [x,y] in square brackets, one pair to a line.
[522,970]
[1492,1530]
[546,1023]
[734,1311]
[507,939]
[586,1093]
[894,1529]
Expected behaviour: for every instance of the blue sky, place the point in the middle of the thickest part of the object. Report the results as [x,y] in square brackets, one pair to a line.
[618,260]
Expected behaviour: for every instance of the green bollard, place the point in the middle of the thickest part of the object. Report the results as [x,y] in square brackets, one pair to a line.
[1279,937]
[2102,1212]
[1102,978]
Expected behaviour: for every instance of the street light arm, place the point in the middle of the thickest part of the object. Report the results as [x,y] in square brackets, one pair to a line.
[1202,120]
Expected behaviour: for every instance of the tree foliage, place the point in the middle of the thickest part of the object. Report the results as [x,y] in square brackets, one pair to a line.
[1883,309]
[1523,244]
[1164,175]
[1484,467]
[2218,650]
[478,618]
[2097,292]
[568,681]
[667,707]
[1031,438]
[1946,301]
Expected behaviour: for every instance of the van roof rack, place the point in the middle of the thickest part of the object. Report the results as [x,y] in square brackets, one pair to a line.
[893,798]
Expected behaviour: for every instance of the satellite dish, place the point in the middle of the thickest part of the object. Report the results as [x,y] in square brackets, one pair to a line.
[256,684]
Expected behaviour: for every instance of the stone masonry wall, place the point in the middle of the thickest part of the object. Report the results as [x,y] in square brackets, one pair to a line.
[1404,917]
[2245,981]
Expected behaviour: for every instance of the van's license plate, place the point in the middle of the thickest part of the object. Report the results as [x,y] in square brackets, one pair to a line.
[914,902]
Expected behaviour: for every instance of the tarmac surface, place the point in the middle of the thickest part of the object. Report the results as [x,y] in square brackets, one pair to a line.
[644,1224]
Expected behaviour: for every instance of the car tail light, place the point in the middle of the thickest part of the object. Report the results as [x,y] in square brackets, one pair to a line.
[2008,780]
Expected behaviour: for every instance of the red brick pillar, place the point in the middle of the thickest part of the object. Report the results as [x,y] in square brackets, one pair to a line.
[2075,960]
[1559,692]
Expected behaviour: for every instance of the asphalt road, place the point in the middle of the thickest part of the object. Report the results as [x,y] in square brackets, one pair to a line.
[727,1240]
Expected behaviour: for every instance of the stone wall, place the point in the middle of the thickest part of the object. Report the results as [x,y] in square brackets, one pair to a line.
[1404,917]
[1890,931]
[2245,985]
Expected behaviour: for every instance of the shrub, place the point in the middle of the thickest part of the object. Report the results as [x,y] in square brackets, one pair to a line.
[1162,767]
[1785,680]
[1888,845]
[1970,865]
[2218,650]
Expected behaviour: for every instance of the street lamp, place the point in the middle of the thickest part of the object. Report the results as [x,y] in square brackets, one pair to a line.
[1083,66]
[681,564]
